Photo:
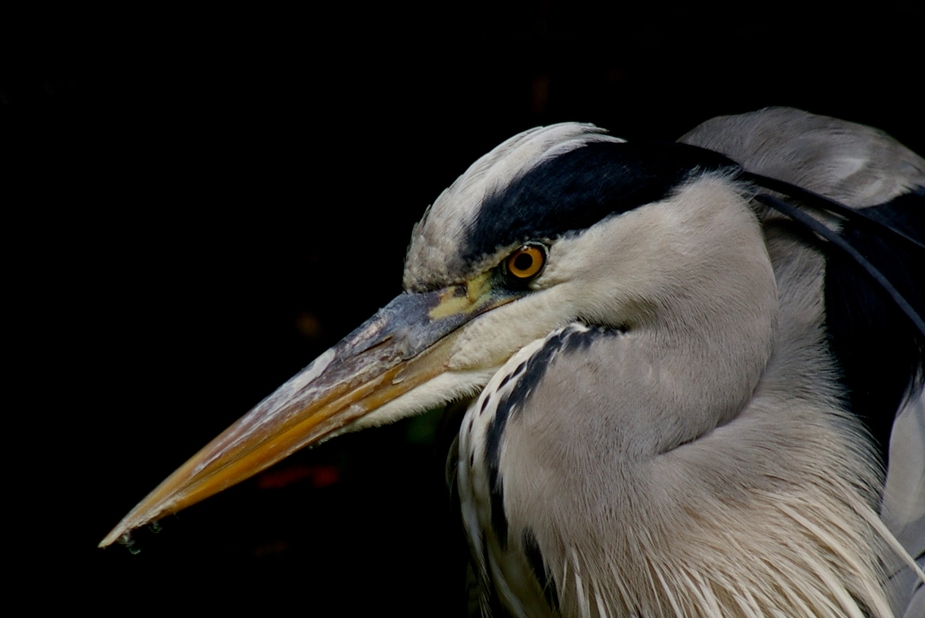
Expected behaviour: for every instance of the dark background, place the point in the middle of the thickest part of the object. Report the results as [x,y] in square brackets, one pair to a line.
[199,202]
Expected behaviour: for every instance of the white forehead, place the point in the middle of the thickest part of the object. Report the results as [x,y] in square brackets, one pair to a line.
[433,255]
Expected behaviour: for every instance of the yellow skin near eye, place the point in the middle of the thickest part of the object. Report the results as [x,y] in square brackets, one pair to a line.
[526,262]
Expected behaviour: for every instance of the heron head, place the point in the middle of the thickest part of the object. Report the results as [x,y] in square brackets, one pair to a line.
[555,225]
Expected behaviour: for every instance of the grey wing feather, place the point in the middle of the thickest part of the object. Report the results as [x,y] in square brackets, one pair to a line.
[851,163]
[903,509]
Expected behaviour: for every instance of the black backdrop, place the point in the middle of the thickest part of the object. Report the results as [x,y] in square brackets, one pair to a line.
[198,202]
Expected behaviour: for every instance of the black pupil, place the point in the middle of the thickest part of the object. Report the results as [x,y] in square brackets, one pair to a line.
[523,261]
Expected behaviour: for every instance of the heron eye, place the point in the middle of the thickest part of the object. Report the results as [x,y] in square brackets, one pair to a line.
[526,263]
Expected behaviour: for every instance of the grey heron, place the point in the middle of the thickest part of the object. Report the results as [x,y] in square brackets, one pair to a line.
[666,354]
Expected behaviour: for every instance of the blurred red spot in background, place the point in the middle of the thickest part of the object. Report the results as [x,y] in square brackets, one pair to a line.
[319,476]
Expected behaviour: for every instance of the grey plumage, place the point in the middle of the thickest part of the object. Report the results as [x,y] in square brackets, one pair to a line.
[860,167]
[637,406]
[661,418]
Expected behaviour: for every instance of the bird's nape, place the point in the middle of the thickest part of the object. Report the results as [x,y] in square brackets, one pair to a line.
[668,385]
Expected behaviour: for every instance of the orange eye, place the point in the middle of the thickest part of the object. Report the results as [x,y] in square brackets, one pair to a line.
[526,263]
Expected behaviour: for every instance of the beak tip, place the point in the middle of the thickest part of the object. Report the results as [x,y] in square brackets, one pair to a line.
[114,535]
[122,534]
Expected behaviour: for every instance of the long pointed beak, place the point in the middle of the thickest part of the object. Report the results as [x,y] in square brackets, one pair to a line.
[406,344]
